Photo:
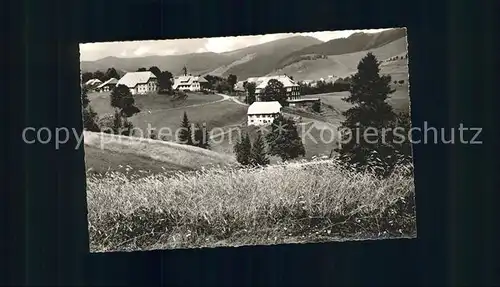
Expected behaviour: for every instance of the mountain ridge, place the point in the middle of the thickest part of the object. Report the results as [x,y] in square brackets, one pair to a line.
[286,54]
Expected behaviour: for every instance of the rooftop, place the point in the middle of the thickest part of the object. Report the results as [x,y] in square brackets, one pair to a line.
[259,108]
[188,80]
[284,79]
[110,81]
[132,79]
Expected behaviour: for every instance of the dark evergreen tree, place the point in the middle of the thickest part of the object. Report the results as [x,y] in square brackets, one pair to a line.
[274,91]
[242,150]
[258,154]
[90,119]
[111,73]
[122,99]
[89,116]
[231,80]
[86,76]
[185,135]
[165,81]
[201,136]
[99,75]
[316,107]
[368,93]
[85,99]
[155,70]
[142,70]
[284,140]
[250,87]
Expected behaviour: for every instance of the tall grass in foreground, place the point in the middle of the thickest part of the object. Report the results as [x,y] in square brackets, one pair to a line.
[221,207]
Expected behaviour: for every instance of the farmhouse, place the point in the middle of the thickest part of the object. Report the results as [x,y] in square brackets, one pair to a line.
[191,83]
[107,86]
[263,113]
[292,88]
[139,82]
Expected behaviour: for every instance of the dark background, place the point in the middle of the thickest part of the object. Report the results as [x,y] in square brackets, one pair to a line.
[451,56]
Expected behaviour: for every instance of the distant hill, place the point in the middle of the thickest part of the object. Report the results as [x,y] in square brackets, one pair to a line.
[342,65]
[262,59]
[302,57]
[355,43]
[255,60]
[197,63]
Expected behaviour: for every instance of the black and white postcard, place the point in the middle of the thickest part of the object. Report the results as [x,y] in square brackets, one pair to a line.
[251,140]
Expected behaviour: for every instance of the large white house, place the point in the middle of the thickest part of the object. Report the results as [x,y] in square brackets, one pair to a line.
[191,83]
[292,88]
[139,82]
[263,113]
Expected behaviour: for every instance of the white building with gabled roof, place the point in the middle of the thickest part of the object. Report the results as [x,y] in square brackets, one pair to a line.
[263,113]
[291,87]
[191,83]
[139,82]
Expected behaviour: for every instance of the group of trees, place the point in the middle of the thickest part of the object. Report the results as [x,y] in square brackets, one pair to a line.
[381,151]
[342,84]
[102,76]
[193,134]
[220,84]
[283,141]
[90,118]
[251,154]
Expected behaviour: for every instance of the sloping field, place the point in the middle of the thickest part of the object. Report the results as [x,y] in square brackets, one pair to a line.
[167,152]
[100,102]
[101,161]
[399,100]
[216,115]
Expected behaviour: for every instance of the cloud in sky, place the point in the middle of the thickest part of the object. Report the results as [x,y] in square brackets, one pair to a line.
[95,51]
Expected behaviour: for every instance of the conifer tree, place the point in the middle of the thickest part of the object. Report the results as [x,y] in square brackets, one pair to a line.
[368,93]
[284,140]
[242,150]
[201,137]
[184,136]
[258,154]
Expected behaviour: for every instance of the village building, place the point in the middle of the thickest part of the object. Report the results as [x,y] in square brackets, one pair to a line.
[107,86]
[190,83]
[291,87]
[263,113]
[139,82]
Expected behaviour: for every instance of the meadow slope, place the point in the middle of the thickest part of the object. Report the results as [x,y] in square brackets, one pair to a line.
[175,154]
[231,207]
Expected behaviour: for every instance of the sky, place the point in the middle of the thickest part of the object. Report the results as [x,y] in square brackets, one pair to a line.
[130,49]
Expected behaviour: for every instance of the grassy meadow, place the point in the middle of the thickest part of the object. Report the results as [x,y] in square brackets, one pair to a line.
[100,102]
[234,207]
